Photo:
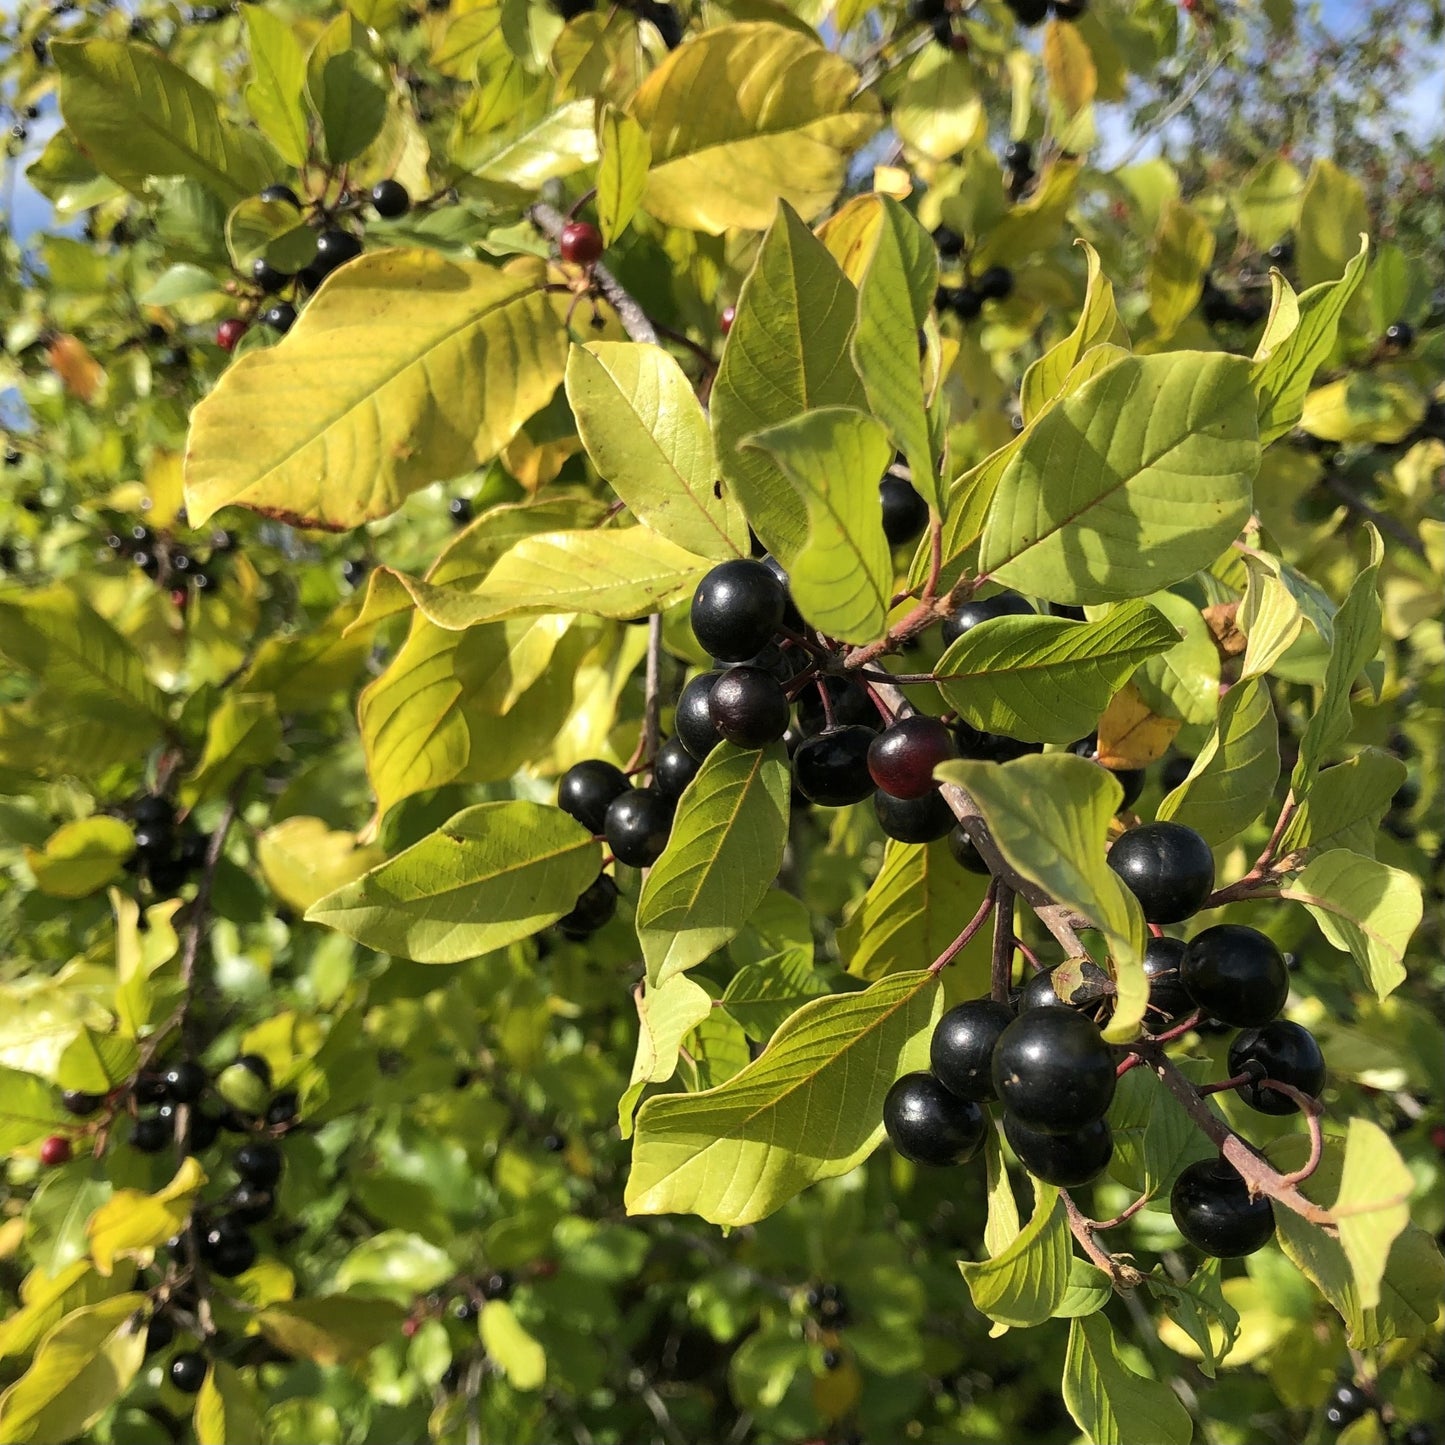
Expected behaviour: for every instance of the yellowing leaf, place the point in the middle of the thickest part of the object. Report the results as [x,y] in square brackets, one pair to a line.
[723,155]
[80,857]
[623,158]
[131,1220]
[303,860]
[1069,66]
[1373,1205]
[939,109]
[521,1358]
[1183,249]
[404,369]
[228,1408]
[331,1329]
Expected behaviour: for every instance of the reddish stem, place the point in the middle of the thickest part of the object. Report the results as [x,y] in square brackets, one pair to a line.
[969,930]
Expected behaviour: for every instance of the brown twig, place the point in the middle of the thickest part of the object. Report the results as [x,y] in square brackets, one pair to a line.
[549,220]
[1001,961]
[1124,1276]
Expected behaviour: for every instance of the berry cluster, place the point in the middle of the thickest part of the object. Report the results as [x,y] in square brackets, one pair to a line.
[166,853]
[158,553]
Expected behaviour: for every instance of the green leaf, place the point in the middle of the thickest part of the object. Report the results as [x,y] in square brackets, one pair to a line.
[1025,1284]
[1002,1225]
[1356,640]
[1183,681]
[1345,805]
[1234,775]
[914,907]
[278,78]
[302,860]
[1049,814]
[1178,264]
[1270,617]
[621,573]
[842,577]
[1098,324]
[623,158]
[776,367]
[1047,679]
[1130,484]
[331,1329]
[351,102]
[939,106]
[665,1014]
[228,1408]
[648,437]
[1364,908]
[96,1063]
[1373,1205]
[243,732]
[809,1108]
[895,296]
[1333,216]
[1111,1403]
[761,996]
[132,1221]
[723,853]
[723,156]
[1090,1289]
[139,117]
[82,1367]
[1153,1137]
[518,1354]
[490,875]
[1287,357]
[81,857]
[29,1110]
[1266,205]
[1203,1312]
[396,1265]
[396,350]
[275,230]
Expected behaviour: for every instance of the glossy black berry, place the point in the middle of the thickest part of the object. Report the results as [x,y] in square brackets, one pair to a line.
[1284,1052]
[1039,992]
[1400,335]
[673,769]
[693,723]
[284,1108]
[1069,9]
[587,788]
[779,665]
[1169,868]
[227,1247]
[1347,1403]
[1213,1210]
[389,199]
[184,1082]
[281,193]
[201,1130]
[1018,155]
[831,768]
[1235,974]
[149,1088]
[81,1104]
[188,1372]
[1281,253]
[965,854]
[1053,1070]
[748,707]
[250,1204]
[903,756]
[905,513]
[792,618]
[1029,12]
[914,820]
[267,277]
[995,284]
[948,242]
[595,906]
[637,826]
[849,702]
[930,1125]
[1168,998]
[737,608]
[258,1163]
[961,1052]
[279,317]
[990,747]
[151,1133]
[334,248]
[969,614]
[256,1065]
[159,1333]
[1068,1160]
[963,301]
[1174,771]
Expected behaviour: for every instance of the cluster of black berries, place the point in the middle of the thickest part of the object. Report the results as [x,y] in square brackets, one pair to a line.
[164,560]
[938,16]
[335,246]
[1219,307]
[166,853]
[1018,159]
[1034,12]
[965,301]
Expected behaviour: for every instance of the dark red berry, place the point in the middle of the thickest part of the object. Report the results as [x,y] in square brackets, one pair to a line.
[55,1150]
[725,321]
[580,243]
[230,332]
[902,757]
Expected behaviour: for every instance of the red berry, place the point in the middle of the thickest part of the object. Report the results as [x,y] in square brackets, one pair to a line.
[55,1150]
[902,757]
[725,321]
[580,243]
[230,332]
[179,595]
[409,1327]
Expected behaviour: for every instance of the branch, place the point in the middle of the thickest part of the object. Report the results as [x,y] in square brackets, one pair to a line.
[549,220]
[1124,1276]
[1001,961]
[1386,523]
[652,707]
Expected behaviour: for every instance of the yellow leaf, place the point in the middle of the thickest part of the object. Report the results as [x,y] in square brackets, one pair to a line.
[1183,249]
[228,1410]
[1069,65]
[624,156]
[131,1220]
[405,369]
[522,1359]
[1130,735]
[939,110]
[744,115]
[80,857]
[303,860]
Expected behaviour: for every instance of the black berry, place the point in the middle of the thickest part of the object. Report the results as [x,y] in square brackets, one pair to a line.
[748,707]
[996,284]
[832,768]
[267,277]
[281,193]
[184,1082]
[150,1133]
[905,513]
[1284,1052]
[1068,1160]
[1053,1070]
[389,199]
[849,702]
[948,242]
[637,826]
[1029,12]
[1168,998]
[81,1104]
[1168,868]
[228,1248]
[1213,1210]
[595,906]
[334,248]
[693,722]
[1018,155]
[280,317]
[159,1333]
[259,1163]
[673,769]
[969,614]
[1400,335]
[961,1052]
[250,1204]
[1039,992]
[737,608]
[990,747]
[188,1372]
[1235,974]
[903,756]
[255,1064]
[930,1125]
[586,790]
[1347,1403]
[1281,253]
[914,820]
[284,1108]
[965,854]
